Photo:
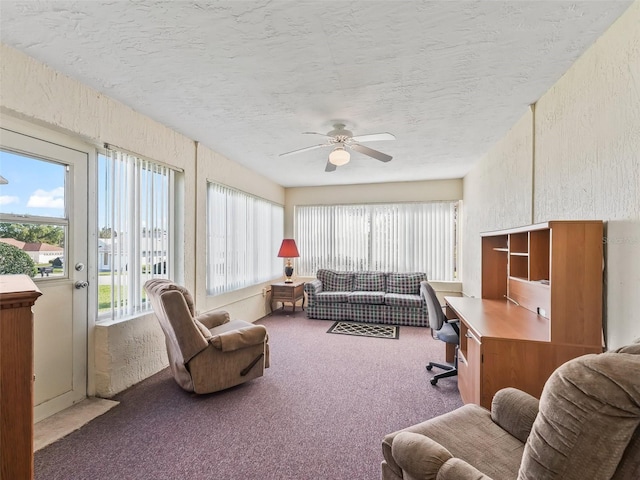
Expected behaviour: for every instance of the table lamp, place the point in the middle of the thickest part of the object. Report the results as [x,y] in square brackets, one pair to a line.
[288,250]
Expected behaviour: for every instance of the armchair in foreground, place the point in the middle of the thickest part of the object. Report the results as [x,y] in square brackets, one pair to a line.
[208,352]
[585,425]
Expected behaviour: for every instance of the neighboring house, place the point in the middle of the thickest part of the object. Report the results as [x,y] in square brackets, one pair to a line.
[104,254]
[38,251]
[110,251]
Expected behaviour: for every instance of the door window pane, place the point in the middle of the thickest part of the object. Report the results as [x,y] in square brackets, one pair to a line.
[32,199]
[43,244]
[30,186]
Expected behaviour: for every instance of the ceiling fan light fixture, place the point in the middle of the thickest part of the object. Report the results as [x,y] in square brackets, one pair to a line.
[339,156]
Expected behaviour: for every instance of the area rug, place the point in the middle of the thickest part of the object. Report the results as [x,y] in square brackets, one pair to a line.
[366,330]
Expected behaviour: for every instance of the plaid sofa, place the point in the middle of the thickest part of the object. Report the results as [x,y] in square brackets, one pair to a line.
[372,297]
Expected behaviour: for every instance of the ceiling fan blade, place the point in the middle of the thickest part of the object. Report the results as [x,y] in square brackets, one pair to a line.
[316,133]
[313,147]
[383,157]
[330,167]
[374,137]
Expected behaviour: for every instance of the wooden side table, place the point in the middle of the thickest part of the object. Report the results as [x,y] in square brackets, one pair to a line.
[287,293]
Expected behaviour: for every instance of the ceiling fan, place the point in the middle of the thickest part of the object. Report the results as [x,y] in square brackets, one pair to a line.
[341,140]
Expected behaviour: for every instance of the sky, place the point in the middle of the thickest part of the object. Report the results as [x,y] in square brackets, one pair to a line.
[36,187]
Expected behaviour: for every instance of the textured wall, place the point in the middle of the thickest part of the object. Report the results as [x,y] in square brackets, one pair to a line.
[586,166]
[587,162]
[497,194]
[127,352]
[37,92]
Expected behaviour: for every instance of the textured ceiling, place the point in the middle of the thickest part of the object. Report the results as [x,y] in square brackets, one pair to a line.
[246,78]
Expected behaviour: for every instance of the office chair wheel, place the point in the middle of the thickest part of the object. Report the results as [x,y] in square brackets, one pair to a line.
[429,367]
[434,381]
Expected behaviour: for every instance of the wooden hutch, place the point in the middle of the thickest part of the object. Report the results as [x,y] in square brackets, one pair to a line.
[541,306]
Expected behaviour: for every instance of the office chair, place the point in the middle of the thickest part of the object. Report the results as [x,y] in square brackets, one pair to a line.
[447,330]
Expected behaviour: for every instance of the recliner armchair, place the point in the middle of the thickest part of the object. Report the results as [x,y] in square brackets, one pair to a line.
[586,425]
[208,352]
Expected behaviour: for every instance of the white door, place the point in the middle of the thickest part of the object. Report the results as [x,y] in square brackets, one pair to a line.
[43,202]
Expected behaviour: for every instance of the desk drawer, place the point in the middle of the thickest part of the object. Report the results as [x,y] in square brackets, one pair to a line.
[469,366]
[282,292]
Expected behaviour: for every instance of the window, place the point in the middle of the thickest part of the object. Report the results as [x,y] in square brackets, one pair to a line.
[135,230]
[33,214]
[243,236]
[403,237]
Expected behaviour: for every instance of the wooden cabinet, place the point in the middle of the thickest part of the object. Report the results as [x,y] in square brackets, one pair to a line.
[541,306]
[18,293]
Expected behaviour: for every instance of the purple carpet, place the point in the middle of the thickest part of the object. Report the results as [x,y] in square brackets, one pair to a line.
[320,412]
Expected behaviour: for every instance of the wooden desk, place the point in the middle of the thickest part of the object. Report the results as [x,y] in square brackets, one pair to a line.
[287,293]
[505,345]
[552,273]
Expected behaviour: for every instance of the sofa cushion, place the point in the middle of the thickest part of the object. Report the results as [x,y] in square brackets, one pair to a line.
[399,300]
[369,282]
[332,297]
[405,283]
[333,281]
[371,298]
[412,317]
[368,313]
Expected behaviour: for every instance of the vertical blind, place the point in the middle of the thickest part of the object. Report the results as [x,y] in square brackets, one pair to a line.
[243,236]
[407,237]
[135,204]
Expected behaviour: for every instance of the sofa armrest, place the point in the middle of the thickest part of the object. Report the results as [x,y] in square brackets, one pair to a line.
[240,338]
[458,469]
[515,411]
[312,288]
[213,318]
[418,455]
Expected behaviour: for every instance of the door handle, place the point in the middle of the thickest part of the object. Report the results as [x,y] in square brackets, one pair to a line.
[80,285]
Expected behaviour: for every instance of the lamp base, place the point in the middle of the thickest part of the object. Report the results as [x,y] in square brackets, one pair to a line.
[288,271]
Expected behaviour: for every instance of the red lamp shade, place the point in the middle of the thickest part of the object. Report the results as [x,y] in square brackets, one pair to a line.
[288,249]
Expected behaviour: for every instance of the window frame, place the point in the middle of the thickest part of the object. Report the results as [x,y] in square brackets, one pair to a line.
[64,222]
[140,306]
[268,253]
[362,259]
